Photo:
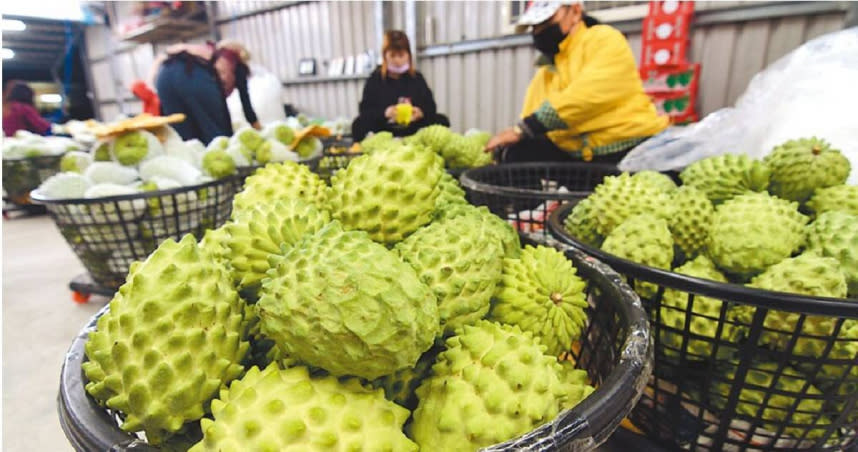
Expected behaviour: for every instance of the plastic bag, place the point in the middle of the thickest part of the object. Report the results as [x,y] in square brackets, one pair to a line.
[809,92]
[264,89]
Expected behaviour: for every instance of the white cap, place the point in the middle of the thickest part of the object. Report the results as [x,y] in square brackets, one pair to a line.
[539,12]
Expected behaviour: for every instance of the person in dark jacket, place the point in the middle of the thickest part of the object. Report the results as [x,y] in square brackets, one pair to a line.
[196,80]
[395,82]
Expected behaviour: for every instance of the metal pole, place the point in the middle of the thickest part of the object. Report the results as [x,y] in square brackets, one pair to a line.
[111,57]
[211,15]
[411,27]
[379,27]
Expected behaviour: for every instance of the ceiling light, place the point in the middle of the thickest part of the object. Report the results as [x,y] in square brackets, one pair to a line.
[50,98]
[7,53]
[13,25]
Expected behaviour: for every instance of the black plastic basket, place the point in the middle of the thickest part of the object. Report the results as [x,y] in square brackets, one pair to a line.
[719,386]
[615,350]
[108,234]
[526,193]
[23,175]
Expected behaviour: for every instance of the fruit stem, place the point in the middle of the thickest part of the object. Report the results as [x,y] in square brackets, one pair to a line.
[816,149]
[556,298]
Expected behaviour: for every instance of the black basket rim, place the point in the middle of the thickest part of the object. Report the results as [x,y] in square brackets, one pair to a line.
[46,158]
[784,301]
[470,179]
[90,427]
[37,197]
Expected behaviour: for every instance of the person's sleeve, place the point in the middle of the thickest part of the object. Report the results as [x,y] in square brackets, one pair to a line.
[427,99]
[370,106]
[244,95]
[608,77]
[35,122]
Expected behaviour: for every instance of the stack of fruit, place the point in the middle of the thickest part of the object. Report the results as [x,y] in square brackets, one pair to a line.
[328,317]
[785,224]
[458,151]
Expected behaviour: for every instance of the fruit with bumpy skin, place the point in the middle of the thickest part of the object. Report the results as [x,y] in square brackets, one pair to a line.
[400,386]
[799,167]
[258,233]
[492,224]
[808,274]
[644,239]
[133,147]
[276,409]
[841,197]
[434,137]
[491,384]
[619,197]
[754,231]
[376,141]
[101,152]
[660,180]
[75,162]
[540,293]
[389,193]
[218,164]
[174,334]
[279,182]
[690,225]
[341,302]
[463,152]
[449,191]
[705,313]
[582,225]
[460,262]
[835,234]
[725,176]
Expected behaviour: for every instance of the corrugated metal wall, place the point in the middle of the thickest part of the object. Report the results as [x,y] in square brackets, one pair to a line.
[476,88]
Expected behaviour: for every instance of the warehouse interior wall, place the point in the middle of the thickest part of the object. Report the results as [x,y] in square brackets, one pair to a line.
[476,66]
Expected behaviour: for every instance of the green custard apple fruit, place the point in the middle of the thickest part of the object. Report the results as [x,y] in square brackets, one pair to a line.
[75,162]
[690,225]
[777,407]
[725,176]
[449,191]
[215,242]
[434,137]
[263,231]
[798,167]
[376,141]
[619,197]
[494,225]
[101,151]
[289,409]
[461,262]
[389,193]
[279,131]
[218,164]
[249,138]
[839,197]
[657,179]
[279,182]
[133,147]
[463,152]
[808,274]
[581,224]
[705,312]
[835,234]
[401,386]
[309,147]
[753,231]
[541,294]
[173,336]
[644,239]
[491,384]
[341,302]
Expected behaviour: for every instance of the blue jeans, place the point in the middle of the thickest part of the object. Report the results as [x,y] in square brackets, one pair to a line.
[198,95]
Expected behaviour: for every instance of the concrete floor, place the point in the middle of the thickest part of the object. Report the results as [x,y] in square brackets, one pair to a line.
[39,322]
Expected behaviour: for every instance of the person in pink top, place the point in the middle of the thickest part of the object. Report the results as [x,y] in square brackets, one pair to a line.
[19,111]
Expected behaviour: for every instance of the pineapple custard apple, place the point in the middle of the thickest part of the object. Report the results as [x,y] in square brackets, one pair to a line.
[460,262]
[726,176]
[492,383]
[835,234]
[690,225]
[754,231]
[619,197]
[492,224]
[174,334]
[798,167]
[582,225]
[449,191]
[289,409]
[541,293]
[279,181]
[840,197]
[662,181]
[341,302]
[644,239]
[389,193]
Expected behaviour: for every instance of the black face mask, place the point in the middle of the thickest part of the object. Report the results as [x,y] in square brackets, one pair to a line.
[548,40]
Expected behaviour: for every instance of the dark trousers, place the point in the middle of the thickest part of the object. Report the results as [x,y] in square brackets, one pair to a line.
[544,150]
[198,95]
[362,126]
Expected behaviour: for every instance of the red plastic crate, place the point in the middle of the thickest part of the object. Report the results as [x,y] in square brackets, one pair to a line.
[671,79]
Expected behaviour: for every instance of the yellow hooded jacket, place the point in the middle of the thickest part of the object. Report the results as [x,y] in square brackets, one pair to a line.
[591,100]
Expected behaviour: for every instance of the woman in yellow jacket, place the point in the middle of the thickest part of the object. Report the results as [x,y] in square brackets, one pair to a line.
[587,102]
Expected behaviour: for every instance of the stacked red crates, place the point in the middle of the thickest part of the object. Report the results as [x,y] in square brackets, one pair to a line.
[668,77]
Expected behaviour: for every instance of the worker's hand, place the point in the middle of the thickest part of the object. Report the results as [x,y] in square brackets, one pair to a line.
[256,125]
[416,113]
[503,139]
[390,113]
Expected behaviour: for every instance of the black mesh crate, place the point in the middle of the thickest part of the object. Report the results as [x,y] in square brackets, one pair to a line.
[526,193]
[108,234]
[23,175]
[615,349]
[739,368]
